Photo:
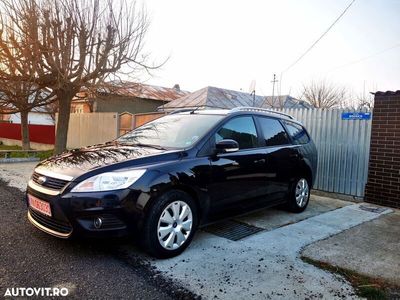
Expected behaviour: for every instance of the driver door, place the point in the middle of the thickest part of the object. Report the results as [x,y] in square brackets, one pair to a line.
[237,177]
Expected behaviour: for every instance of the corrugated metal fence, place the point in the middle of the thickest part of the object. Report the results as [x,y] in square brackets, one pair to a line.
[91,128]
[343,149]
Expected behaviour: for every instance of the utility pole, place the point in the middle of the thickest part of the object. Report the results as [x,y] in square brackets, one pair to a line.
[364,91]
[273,88]
[253,91]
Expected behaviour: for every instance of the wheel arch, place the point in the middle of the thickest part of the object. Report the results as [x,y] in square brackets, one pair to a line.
[307,172]
[200,198]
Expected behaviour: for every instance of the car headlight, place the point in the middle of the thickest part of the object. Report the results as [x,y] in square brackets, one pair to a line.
[109,181]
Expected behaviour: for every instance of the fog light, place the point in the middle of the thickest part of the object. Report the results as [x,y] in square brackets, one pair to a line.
[97,223]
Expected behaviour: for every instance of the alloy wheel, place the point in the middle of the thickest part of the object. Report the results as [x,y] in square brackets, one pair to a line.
[302,192]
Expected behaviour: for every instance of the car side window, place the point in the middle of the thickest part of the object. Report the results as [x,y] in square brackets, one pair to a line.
[297,133]
[273,132]
[240,129]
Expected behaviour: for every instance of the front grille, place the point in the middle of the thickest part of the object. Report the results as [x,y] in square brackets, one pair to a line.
[48,222]
[51,182]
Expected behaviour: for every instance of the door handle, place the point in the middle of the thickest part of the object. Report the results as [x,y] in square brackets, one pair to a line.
[294,155]
[260,161]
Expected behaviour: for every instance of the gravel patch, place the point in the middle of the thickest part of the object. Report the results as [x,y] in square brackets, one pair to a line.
[17,174]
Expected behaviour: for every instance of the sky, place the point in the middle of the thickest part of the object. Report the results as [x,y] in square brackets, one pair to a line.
[230,43]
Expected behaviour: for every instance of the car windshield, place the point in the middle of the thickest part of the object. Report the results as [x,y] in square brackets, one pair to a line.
[172,131]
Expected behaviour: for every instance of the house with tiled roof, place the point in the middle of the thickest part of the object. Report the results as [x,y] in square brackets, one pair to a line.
[219,98]
[125,96]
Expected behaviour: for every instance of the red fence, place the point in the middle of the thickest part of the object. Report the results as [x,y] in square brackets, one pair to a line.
[44,134]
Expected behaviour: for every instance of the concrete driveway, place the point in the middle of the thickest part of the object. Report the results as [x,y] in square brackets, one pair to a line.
[263,265]
[267,264]
[374,249]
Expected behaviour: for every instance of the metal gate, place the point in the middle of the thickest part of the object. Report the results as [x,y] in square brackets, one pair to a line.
[343,149]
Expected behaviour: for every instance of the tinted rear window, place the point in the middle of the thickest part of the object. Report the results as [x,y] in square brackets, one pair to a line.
[297,133]
[273,132]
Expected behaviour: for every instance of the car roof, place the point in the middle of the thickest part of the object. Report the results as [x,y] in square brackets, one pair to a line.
[237,111]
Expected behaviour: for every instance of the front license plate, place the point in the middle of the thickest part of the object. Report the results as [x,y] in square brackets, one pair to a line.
[39,205]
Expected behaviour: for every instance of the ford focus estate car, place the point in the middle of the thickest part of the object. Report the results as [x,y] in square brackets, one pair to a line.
[165,179]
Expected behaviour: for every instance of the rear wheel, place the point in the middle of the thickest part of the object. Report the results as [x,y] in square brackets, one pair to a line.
[299,195]
[170,224]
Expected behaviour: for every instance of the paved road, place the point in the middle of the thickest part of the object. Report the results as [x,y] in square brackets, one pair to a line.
[91,270]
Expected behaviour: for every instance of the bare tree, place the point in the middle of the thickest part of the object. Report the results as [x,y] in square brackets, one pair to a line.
[364,101]
[22,97]
[19,91]
[322,94]
[78,43]
[52,110]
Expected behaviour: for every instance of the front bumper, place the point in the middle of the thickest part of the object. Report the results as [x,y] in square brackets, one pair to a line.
[42,225]
[74,214]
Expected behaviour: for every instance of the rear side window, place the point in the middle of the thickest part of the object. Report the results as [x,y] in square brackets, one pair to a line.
[273,132]
[240,129]
[297,133]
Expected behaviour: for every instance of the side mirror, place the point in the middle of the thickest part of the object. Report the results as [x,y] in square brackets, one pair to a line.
[227,146]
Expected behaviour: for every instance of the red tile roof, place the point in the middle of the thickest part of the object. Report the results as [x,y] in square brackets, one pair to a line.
[144,91]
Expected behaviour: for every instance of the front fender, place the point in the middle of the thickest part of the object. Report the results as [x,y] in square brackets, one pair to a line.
[159,183]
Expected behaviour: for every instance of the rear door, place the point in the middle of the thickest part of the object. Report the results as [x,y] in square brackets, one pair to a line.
[280,157]
[305,147]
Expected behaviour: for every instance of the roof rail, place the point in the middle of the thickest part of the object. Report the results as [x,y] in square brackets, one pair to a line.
[249,108]
[177,111]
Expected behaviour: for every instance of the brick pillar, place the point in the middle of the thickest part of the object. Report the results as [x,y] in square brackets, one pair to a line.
[383,186]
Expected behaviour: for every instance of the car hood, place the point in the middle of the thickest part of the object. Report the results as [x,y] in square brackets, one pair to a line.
[79,161]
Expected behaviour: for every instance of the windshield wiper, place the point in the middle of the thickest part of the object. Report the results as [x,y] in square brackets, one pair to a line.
[115,142]
[149,146]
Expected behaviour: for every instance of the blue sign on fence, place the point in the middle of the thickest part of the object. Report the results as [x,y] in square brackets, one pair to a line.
[356,116]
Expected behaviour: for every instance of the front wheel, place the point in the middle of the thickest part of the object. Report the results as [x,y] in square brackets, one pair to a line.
[299,196]
[170,224]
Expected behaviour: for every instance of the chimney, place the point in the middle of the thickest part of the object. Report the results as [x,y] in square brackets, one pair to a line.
[177,87]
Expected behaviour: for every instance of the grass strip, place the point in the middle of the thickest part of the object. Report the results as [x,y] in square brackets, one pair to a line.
[366,287]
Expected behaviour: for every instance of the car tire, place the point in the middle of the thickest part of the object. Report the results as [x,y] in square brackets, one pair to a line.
[299,195]
[170,224]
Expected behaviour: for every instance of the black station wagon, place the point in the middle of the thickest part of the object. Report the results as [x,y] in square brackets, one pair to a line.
[163,180]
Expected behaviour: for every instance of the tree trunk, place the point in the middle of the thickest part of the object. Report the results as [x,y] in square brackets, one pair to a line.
[64,109]
[25,130]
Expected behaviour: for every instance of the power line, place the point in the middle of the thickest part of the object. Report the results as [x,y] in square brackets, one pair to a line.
[364,58]
[323,34]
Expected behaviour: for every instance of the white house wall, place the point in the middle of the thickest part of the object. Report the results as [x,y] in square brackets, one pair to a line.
[37,118]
